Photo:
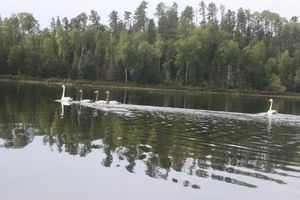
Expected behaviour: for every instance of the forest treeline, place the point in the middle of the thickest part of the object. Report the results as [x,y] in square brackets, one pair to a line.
[209,46]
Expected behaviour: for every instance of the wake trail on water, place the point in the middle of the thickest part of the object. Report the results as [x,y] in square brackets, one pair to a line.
[128,109]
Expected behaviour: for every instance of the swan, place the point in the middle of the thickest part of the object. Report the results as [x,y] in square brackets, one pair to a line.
[100,101]
[110,102]
[270,111]
[84,100]
[63,98]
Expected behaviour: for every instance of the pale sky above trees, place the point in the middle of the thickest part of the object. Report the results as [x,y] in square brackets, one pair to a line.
[43,11]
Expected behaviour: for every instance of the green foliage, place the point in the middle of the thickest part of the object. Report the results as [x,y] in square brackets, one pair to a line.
[253,58]
[285,69]
[167,21]
[185,27]
[15,59]
[229,54]
[187,51]
[151,32]
[140,17]
[49,58]
[259,50]
[188,13]
[297,80]
[212,12]
[275,84]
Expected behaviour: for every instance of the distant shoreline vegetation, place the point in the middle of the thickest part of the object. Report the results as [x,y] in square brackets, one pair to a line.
[241,50]
[149,87]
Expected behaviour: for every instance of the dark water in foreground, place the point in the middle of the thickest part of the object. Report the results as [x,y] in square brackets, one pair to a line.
[171,147]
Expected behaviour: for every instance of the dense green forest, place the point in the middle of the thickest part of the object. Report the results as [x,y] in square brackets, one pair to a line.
[209,46]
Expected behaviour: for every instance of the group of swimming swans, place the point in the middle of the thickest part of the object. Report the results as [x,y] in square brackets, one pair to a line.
[270,112]
[107,101]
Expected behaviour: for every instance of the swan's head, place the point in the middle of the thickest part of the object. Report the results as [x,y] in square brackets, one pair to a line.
[80,91]
[107,92]
[63,86]
[96,92]
[271,100]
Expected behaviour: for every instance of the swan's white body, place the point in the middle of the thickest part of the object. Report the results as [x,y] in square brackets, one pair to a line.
[98,101]
[270,111]
[113,103]
[101,102]
[63,98]
[84,100]
[110,102]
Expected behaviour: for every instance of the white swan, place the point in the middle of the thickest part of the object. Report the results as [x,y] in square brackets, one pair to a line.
[110,102]
[270,111]
[63,98]
[99,101]
[84,100]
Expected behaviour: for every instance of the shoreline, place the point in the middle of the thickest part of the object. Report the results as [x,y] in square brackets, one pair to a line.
[162,88]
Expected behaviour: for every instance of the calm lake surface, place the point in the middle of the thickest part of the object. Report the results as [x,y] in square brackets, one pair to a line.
[158,145]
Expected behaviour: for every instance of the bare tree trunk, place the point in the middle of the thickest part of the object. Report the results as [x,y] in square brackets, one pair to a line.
[79,62]
[125,74]
[68,64]
[186,73]
[159,63]
[229,74]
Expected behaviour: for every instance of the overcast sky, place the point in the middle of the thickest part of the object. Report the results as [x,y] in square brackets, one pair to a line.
[44,10]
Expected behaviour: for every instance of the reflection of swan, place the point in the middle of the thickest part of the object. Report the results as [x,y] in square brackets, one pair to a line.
[100,101]
[84,100]
[63,98]
[95,113]
[63,104]
[269,128]
[270,111]
[79,114]
[110,102]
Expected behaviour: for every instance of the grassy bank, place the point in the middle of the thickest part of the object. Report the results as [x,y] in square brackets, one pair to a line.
[165,88]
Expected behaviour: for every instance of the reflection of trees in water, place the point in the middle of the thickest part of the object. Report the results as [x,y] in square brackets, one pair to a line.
[164,144]
[162,149]
[18,136]
[24,116]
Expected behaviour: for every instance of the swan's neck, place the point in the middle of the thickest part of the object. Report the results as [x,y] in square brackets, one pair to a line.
[107,98]
[271,105]
[63,93]
[97,94]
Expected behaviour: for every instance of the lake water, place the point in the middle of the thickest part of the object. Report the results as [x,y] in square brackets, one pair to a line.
[157,145]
